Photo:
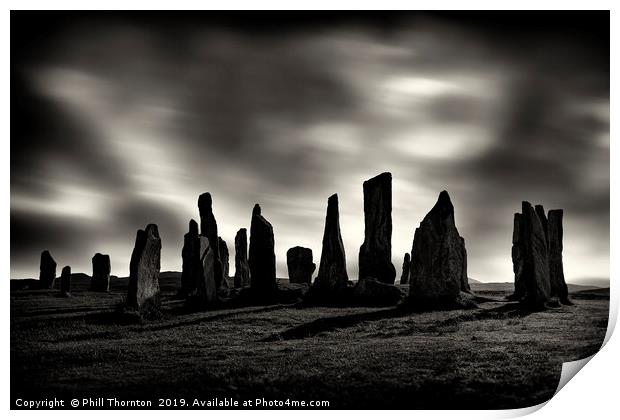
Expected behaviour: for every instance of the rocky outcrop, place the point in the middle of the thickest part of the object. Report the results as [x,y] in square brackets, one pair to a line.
[332,280]
[206,283]
[404,278]
[371,292]
[242,267]
[300,265]
[192,267]
[375,256]
[438,257]
[47,274]
[144,268]
[557,282]
[208,228]
[100,281]
[65,281]
[532,285]
[262,255]
[224,261]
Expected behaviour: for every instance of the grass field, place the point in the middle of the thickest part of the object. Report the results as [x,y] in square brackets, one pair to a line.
[493,357]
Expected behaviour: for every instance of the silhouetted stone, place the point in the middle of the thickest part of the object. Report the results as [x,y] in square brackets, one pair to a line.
[535,272]
[242,268]
[224,260]
[438,257]
[206,287]
[65,281]
[208,228]
[262,256]
[517,257]
[332,279]
[556,265]
[192,267]
[375,256]
[100,281]
[540,212]
[404,278]
[300,265]
[47,275]
[371,292]
[144,267]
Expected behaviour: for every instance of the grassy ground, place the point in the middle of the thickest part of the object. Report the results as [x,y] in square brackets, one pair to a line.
[492,357]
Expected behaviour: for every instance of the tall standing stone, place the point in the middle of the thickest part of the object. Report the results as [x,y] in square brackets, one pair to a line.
[47,273]
[375,257]
[208,228]
[242,268]
[224,260]
[206,287]
[556,266]
[100,281]
[517,257]
[262,256]
[144,267]
[192,267]
[535,271]
[65,280]
[332,278]
[404,278]
[300,265]
[438,257]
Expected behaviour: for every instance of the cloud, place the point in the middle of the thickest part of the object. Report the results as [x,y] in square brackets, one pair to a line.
[126,123]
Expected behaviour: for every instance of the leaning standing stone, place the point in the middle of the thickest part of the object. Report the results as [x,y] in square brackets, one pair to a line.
[375,257]
[47,275]
[100,281]
[224,260]
[144,267]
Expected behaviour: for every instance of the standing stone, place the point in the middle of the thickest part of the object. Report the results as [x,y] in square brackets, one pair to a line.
[517,257]
[262,256]
[540,212]
[535,272]
[438,257]
[375,257]
[144,267]
[208,228]
[242,268]
[332,278]
[47,275]
[192,267]
[300,265]
[65,281]
[100,281]
[224,260]
[206,287]
[404,278]
[556,266]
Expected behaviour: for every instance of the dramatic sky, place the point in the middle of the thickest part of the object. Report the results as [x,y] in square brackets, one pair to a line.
[119,121]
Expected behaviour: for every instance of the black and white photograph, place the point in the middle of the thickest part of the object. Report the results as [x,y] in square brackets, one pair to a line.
[306,210]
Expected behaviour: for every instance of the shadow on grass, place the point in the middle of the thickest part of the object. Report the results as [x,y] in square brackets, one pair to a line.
[510,310]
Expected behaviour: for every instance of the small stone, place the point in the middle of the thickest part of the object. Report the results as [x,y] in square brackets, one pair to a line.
[65,281]
[300,265]
[242,267]
[404,278]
